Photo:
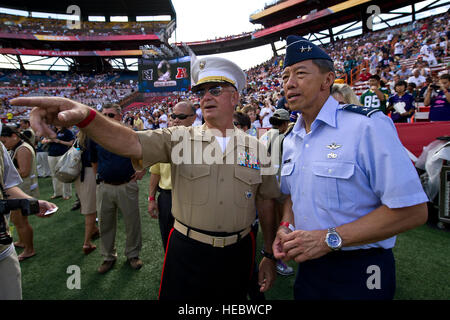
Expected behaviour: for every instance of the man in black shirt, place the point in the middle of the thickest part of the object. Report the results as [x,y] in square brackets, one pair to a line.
[281,103]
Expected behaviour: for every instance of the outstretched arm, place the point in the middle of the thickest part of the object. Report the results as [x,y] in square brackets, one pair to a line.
[65,112]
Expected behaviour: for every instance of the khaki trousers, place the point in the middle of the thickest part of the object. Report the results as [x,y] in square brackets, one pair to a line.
[59,188]
[110,198]
[10,278]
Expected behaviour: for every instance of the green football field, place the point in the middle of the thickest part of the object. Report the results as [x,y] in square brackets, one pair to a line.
[422,260]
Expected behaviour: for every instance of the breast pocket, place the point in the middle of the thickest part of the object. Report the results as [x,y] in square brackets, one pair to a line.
[287,169]
[246,186]
[330,180]
[194,184]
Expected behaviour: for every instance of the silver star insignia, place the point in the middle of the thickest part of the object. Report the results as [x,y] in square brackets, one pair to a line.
[334,146]
[309,48]
[303,49]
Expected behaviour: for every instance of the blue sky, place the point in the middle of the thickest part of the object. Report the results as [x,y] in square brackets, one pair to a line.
[207,19]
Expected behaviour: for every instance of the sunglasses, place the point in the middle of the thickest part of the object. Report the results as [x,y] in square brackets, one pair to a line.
[111,115]
[236,123]
[180,116]
[215,91]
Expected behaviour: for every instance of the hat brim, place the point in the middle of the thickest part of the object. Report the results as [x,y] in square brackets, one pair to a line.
[218,79]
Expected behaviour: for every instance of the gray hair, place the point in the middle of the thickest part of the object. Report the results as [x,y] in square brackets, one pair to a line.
[324,65]
[114,106]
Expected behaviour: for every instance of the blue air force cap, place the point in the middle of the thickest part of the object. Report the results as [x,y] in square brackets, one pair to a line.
[299,49]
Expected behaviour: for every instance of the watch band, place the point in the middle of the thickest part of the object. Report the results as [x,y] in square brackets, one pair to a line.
[332,230]
[268,255]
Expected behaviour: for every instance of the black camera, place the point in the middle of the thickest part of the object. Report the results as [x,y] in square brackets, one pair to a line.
[435,87]
[27,206]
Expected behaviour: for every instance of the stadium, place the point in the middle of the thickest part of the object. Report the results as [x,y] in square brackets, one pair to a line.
[103,53]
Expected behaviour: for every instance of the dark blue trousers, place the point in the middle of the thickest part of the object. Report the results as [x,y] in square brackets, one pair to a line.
[165,218]
[347,275]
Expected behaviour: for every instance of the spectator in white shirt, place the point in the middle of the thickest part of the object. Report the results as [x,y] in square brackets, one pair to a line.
[163,120]
[427,52]
[417,79]
[399,49]
[266,113]
[199,116]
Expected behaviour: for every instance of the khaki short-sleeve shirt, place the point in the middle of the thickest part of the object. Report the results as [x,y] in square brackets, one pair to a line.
[211,190]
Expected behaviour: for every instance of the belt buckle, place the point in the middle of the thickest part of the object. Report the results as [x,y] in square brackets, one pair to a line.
[218,242]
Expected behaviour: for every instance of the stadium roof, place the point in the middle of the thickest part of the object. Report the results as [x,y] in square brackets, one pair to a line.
[97,7]
[289,9]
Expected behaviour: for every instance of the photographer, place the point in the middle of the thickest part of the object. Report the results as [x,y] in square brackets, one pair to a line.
[24,159]
[438,98]
[10,276]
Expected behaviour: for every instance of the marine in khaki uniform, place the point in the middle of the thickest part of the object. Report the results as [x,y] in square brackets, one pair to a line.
[219,177]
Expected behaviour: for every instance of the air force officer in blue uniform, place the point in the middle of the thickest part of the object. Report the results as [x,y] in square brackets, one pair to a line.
[350,184]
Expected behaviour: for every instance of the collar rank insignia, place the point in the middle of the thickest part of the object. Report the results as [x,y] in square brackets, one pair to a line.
[334,146]
[202,65]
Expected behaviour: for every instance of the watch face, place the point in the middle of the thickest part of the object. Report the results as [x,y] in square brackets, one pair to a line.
[333,240]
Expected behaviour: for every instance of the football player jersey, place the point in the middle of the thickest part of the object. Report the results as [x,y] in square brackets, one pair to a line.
[369,99]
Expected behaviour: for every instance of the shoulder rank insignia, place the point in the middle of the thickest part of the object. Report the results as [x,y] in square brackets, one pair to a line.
[289,129]
[359,109]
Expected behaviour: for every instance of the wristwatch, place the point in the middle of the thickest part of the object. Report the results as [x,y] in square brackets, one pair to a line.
[333,239]
[268,255]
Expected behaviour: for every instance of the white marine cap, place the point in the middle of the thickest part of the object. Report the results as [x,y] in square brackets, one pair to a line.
[216,69]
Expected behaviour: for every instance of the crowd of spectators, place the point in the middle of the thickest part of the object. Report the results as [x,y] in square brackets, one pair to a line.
[416,53]
[55,27]
[92,90]
[383,52]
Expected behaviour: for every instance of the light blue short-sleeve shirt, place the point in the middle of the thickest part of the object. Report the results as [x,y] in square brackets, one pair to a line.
[345,167]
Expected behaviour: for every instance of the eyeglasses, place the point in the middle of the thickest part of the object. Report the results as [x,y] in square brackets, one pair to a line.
[111,115]
[215,91]
[180,116]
